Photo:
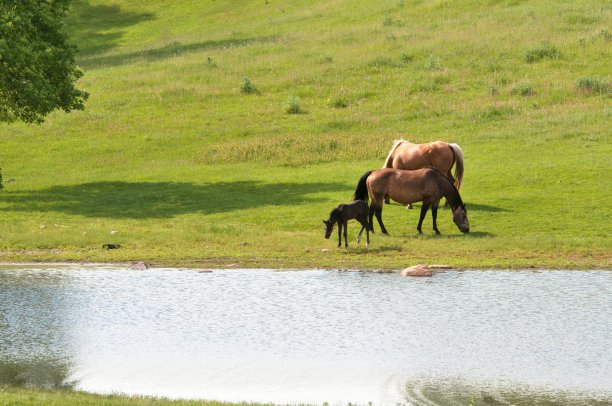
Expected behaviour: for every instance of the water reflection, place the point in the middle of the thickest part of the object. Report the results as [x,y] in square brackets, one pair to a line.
[35,346]
[315,336]
[41,373]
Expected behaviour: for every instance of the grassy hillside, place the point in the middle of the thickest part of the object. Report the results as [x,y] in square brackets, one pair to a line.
[175,162]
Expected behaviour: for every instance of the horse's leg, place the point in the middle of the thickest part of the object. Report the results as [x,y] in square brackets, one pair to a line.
[434,215]
[345,228]
[370,218]
[424,209]
[378,212]
[449,175]
[364,224]
[360,231]
[339,233]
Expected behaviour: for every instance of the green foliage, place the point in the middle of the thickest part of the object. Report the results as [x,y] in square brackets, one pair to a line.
[544,51]
[294,105]
[406,57]
[433,63]
[340,102]
[522,89]
[248,87]
[37,67]
[210,62]
[590,85]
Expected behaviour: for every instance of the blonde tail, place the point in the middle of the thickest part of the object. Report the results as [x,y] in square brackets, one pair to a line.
[458,165]
[389,160]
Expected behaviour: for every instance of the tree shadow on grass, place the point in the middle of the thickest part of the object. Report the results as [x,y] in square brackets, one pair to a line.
[98,28]
[171,50]
[143,200]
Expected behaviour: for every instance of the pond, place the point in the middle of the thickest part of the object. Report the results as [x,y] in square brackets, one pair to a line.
[310,336]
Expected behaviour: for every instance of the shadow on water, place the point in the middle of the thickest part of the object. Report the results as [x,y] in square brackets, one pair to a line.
[163,199]
[171,50]
[98,28]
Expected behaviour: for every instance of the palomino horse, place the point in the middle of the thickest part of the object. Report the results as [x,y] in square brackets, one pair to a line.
[439,154]
[342,214]
[428,185]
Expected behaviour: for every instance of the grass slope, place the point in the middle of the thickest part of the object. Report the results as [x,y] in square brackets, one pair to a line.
[174,162]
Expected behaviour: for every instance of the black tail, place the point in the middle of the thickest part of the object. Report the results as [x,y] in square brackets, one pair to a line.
[361,193]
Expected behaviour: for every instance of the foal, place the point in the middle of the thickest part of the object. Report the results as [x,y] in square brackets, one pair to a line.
[358,210]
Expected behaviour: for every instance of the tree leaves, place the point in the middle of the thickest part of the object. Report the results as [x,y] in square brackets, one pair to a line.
[37,67]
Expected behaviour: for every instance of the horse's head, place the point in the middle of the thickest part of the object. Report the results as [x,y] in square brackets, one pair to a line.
[460,218]
[329,227]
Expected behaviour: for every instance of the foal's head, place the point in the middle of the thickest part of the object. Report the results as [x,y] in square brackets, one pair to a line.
[460,218]
[329,224]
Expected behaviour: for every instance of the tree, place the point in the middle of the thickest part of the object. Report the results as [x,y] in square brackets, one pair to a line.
[37,66]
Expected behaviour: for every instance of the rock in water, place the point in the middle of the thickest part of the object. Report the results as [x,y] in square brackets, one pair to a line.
[416,270]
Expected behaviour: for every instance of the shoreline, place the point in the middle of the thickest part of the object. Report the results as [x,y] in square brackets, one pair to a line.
[144,265]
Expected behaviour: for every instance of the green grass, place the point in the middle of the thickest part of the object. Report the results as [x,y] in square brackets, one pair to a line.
[36,397]
[189,169]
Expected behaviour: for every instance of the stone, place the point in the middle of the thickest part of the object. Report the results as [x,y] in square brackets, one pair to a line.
[140,266]
[416,270]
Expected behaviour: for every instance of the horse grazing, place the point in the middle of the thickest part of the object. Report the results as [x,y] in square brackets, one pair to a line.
[345,212]
[428,185]
[438,154]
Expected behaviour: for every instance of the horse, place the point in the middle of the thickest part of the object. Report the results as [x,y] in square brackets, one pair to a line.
[428,185]
[358,210]
[438,154]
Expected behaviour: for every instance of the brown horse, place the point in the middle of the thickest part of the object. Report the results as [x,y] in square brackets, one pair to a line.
[439,154]
[428,185]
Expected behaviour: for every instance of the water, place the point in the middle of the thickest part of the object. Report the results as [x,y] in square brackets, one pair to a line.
[311,336]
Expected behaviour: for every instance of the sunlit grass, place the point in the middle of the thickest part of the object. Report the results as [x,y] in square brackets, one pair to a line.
[187,167]
[31,397]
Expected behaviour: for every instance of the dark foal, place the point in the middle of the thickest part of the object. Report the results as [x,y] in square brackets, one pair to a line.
[358,210]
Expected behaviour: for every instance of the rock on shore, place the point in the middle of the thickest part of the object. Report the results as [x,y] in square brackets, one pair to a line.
[416,270]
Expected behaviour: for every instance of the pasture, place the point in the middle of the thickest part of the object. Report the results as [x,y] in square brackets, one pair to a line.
[221,133]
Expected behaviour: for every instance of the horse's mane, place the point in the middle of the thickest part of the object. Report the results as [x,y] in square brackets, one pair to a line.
[393,148]
[456,198]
